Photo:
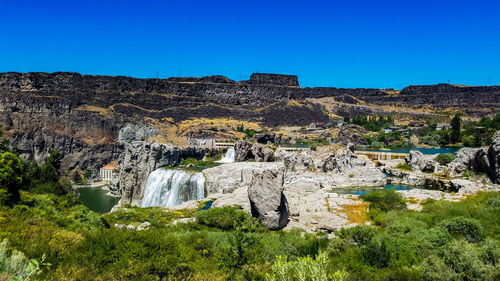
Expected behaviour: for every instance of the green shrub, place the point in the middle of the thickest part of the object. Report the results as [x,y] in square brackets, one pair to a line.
[227,218]
[445,158]
[403,166]
[358,234]
[385,200]
[304,269]
[470,229]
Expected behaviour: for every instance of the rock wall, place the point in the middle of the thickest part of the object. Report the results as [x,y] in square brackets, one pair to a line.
[274,79]
[484,160]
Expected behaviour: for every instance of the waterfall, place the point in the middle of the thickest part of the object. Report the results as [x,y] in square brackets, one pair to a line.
[228,157]
[168,188]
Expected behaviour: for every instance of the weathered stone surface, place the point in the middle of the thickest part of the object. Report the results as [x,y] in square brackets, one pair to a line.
[262,153]
[494,157]
[242,150]
[139,132]
[78,154]
[352,134]
[274,79]
[330,167]
[419,162]
[484,160]
[226,178]
[462,162]
[267,201]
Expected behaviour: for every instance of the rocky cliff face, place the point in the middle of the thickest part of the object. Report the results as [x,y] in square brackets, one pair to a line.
[80,114]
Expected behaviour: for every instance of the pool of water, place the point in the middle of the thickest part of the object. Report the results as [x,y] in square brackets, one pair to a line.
[361,191]
[97,200]
[424,150]
[206,205]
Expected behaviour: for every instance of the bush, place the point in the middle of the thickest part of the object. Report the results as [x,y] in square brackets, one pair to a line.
[385,200]
[228,218]
[470,229]
[445,158]
[358,234]
[403,166]
[304,269]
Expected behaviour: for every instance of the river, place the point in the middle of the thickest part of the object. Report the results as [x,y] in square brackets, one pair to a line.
[97,199]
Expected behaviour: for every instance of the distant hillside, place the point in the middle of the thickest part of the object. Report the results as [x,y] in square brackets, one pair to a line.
[81,115]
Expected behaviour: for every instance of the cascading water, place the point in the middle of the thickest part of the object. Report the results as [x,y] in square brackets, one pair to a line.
[168,188]
[228,157]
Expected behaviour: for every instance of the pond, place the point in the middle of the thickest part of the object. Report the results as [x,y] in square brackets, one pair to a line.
[424,150]
[97,199]
[361,191]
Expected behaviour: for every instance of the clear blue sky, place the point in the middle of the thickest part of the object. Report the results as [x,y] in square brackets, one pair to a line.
[326,43]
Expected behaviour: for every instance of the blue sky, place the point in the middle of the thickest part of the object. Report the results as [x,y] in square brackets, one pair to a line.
[326,43]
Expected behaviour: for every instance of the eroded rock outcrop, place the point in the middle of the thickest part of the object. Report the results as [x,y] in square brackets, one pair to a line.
[420,162]
[353,134]
[267,201]
[483,160]
[244,150]
[494,157]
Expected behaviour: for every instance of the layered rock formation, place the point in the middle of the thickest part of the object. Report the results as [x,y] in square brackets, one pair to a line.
[244,150]
[267,200]
[483,160]
[420,162]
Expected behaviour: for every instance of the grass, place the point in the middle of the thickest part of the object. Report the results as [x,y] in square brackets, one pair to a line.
[403,166]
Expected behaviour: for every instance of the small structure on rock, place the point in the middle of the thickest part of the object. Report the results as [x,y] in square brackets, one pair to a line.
[106,173]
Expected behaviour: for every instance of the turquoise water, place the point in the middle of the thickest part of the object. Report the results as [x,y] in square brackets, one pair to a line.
[206,205]
[97,200]
[361,191]
[424,150]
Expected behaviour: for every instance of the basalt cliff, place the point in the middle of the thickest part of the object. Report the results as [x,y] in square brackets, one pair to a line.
[82,115]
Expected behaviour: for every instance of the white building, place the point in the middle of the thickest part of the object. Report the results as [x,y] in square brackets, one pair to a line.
[106,173]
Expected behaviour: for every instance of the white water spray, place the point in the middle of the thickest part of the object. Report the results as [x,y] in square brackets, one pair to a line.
[228,157]
[168,188]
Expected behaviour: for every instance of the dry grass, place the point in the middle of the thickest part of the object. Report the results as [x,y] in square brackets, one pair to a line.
[356,213]
[100,110]
[177,133]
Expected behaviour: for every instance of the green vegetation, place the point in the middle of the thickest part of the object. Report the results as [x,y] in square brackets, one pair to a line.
[48,234]
[472,134]
[445,158]
[198,165]
[385,200]
[455,129]
[371,123]
[403,166]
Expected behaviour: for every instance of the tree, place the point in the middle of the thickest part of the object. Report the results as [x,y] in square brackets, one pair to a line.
[455,129]
[50,169]
[11,170]
[4,143]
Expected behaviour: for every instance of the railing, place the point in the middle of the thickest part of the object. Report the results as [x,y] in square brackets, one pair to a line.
[378,155]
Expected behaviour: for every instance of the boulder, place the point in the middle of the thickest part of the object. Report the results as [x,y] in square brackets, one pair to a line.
[139,132]
[352,134]
[262,153]
[242,151]
[267,201]
[462,162]
[494,158]
[264,138]
[419,162]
